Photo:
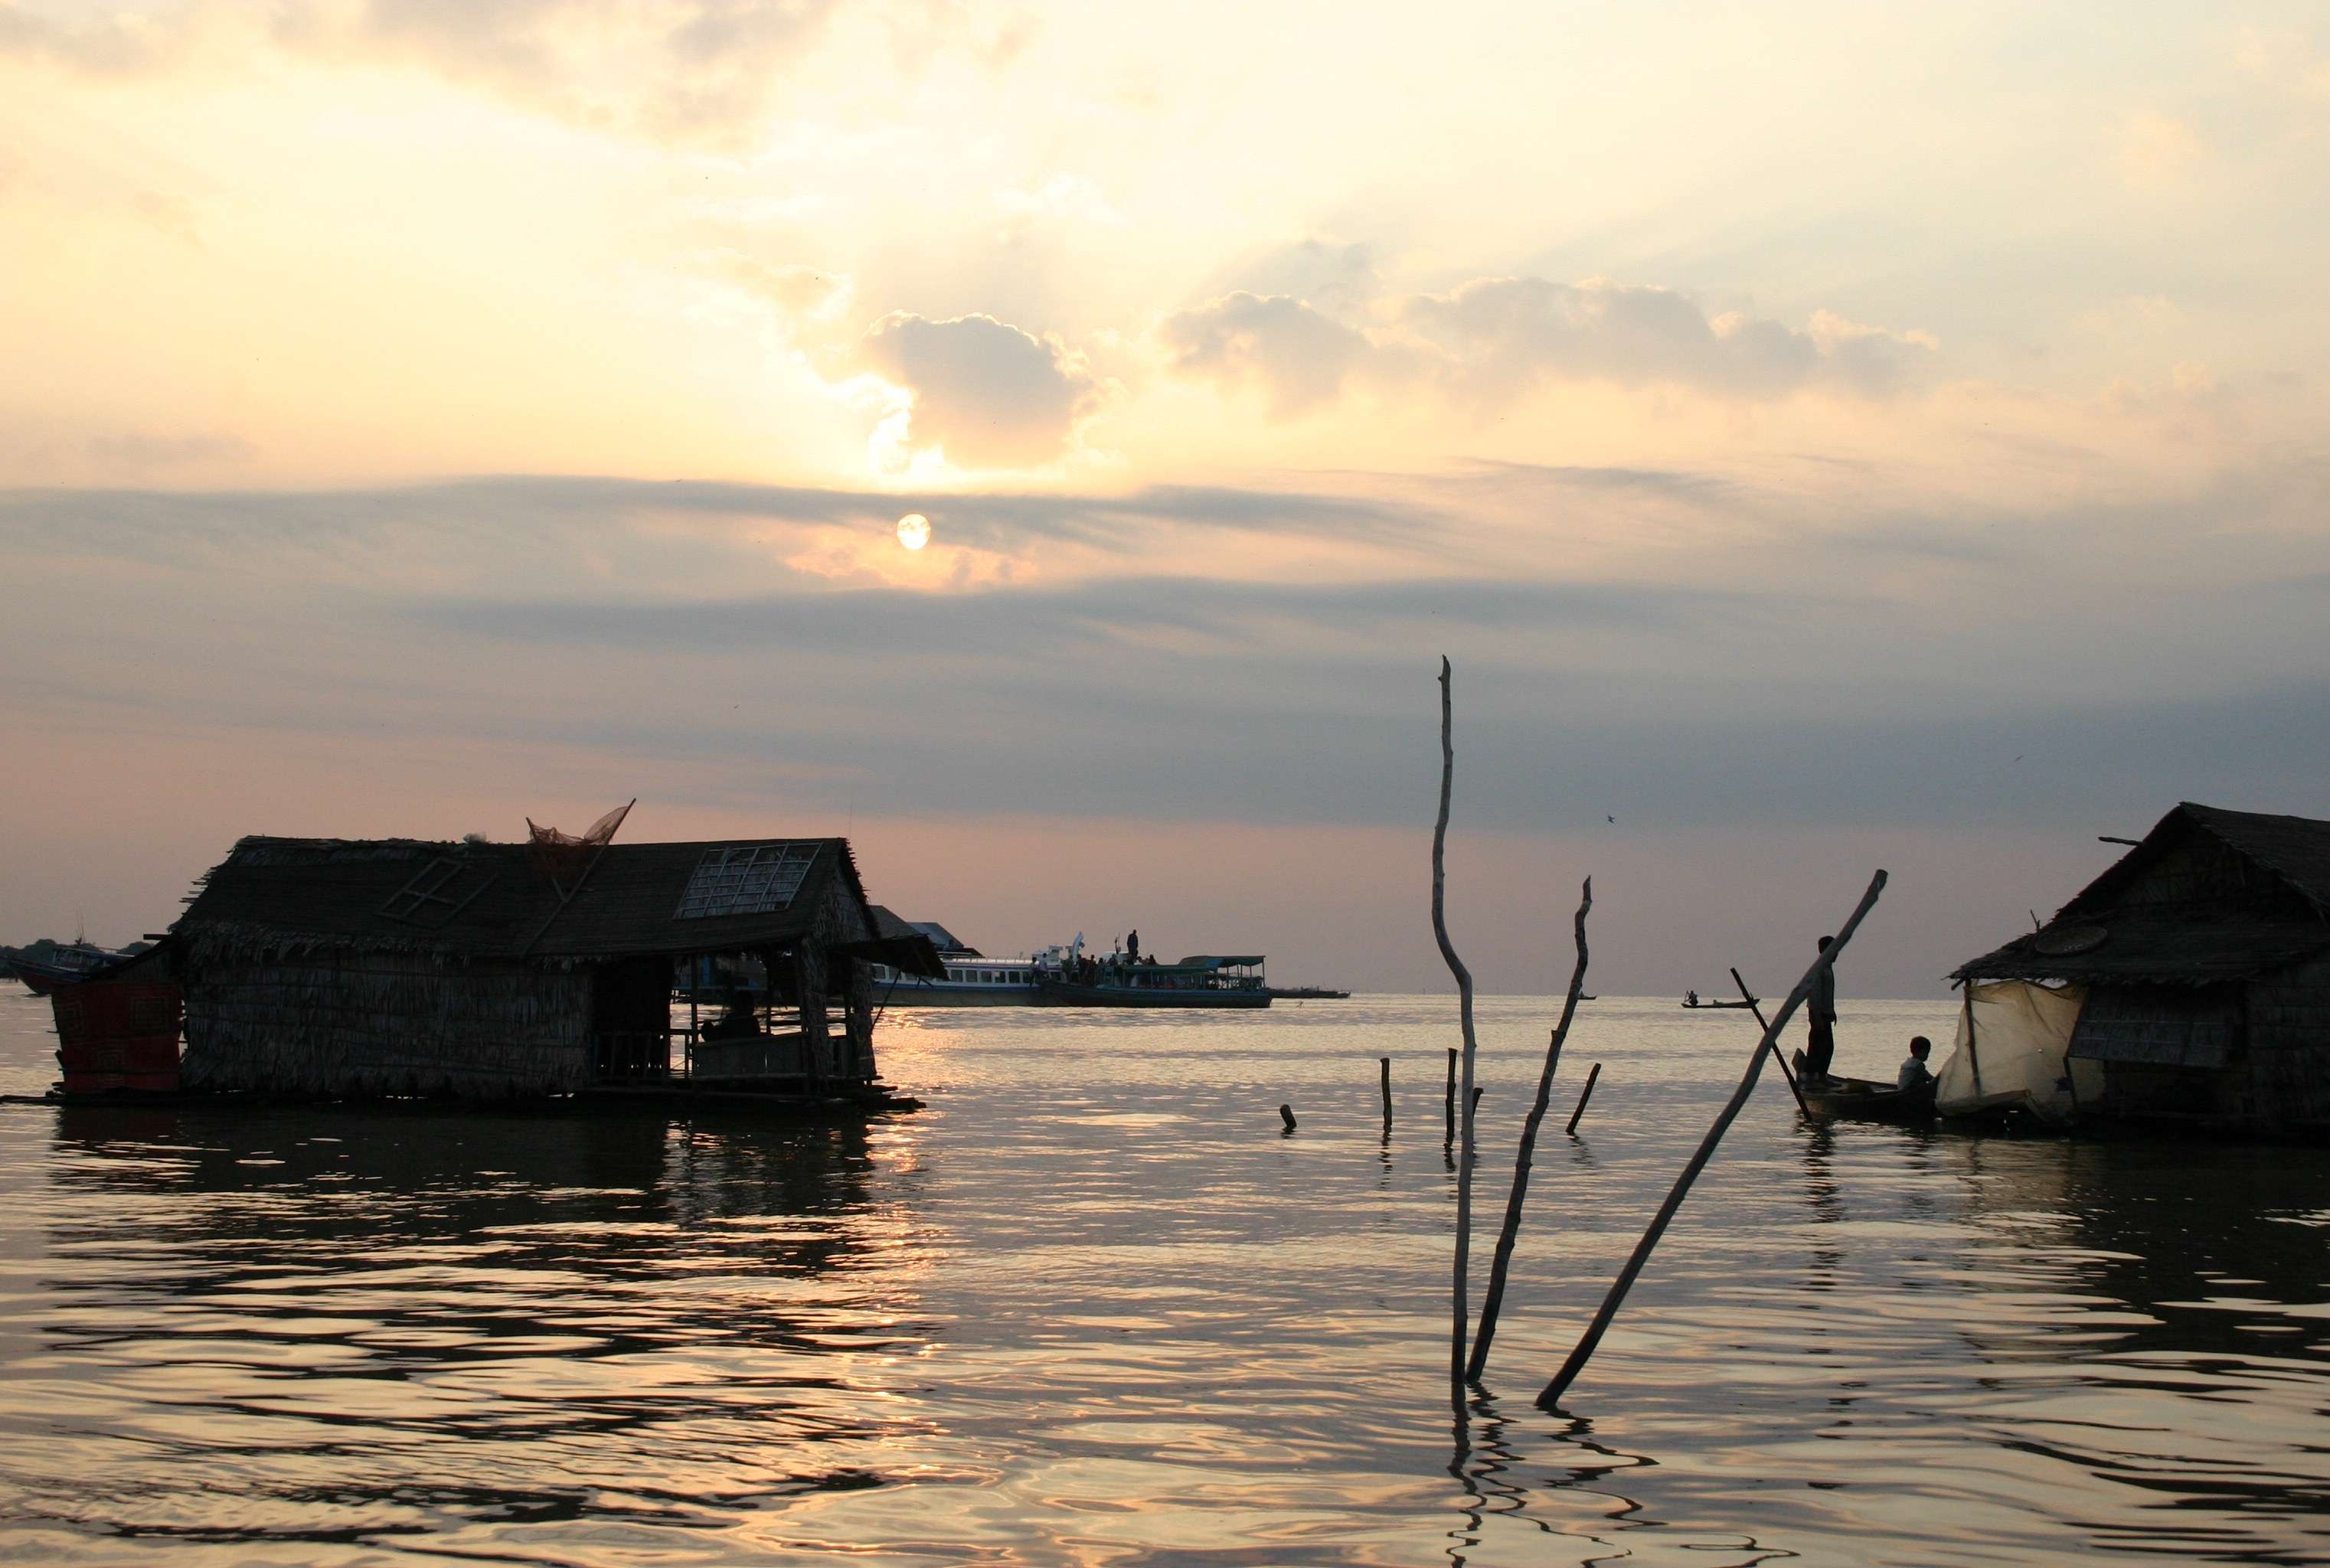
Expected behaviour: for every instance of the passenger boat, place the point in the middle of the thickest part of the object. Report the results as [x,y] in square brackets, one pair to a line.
[1203,981]
[972,981]
[1066,976]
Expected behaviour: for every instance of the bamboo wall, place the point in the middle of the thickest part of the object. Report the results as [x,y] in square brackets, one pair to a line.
[2289,1044]
[366,1023]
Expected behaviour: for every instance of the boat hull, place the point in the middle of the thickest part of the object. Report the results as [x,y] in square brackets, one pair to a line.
[1861,1099]
[910,996]
[1062,995]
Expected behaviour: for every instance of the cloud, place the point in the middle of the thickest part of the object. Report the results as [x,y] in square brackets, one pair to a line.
[986,393]
[1299,356]
[2156,149]
[1501,337]
[800,294]
[1064,198]
[552,518]
[101,42]
[1495,339]
[682,71]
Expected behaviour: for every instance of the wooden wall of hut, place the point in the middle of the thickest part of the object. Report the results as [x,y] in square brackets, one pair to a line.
[363,1023]
[2289,1044]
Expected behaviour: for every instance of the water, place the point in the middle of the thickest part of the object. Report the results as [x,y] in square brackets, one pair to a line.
[1092,1308]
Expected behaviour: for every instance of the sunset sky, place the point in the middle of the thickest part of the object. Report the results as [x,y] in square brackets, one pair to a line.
[1822,436]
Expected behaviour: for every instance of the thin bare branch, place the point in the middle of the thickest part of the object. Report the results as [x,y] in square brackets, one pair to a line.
[1499,1265]
[1464,1014]
[1551,1397]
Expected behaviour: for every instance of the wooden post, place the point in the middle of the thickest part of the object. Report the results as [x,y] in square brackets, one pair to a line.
[1550,1398]
[809,976]
[1451,1096]
[1286,1115]
[1493,1302]
[1584,1095]
[858,1020]
[1464,1021]
[1387,1093]
[1778,1060]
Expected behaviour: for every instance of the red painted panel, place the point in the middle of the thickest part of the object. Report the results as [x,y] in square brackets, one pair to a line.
[118,1035]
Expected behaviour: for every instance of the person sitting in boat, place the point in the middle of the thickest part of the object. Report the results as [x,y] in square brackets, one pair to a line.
[1691,998]
[1914,1073]
[737,1017]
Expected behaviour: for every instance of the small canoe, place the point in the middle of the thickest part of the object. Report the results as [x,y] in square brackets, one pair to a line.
[1689,1004]
[1861,1099]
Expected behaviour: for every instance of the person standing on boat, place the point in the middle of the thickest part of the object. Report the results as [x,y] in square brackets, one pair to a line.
[1132,949]
[1822,1004]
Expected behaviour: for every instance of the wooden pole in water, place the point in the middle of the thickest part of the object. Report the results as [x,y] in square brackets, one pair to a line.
[1451,1096]
[1584,1095]
[1498,1266]
[1286,1115]
[1387,1093]
[1464,1019]
[1550,1398]
[1778,1060]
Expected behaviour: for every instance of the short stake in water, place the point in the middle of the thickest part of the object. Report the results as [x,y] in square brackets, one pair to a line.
[1387,1092]
[1451,1095]
[1495,1300]
[1550,1398]
[1286,1115]
[1584,1095]
[1464,1017]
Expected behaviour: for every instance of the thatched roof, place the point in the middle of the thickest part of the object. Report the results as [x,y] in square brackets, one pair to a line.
[2098,936]
[474,900]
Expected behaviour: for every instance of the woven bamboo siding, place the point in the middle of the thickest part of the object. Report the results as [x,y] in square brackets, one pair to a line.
[363,1024]
[2289,1044]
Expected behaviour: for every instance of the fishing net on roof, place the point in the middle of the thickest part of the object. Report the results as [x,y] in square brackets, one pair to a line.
[562,856]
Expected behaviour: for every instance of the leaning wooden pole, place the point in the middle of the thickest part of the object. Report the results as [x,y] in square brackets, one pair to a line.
[1464,1017]
[1778,1060]
[1551,1397]
[1499,1265]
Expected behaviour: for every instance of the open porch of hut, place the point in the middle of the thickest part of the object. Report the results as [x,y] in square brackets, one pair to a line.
[2189,983]
[402,967]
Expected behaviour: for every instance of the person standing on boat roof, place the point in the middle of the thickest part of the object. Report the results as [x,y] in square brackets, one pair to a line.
[1132,949]
[1822,1004]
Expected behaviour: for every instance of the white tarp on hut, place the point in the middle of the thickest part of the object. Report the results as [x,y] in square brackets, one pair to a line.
[2013,1053]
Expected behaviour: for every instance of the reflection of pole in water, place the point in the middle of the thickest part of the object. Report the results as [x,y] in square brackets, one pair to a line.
[1492,1487]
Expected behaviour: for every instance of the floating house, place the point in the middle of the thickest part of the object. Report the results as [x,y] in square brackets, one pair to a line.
[400,967]
[2190,982]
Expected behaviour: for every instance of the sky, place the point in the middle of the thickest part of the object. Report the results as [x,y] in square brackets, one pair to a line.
[1822,437]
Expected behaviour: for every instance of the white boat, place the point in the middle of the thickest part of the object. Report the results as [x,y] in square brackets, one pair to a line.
[975,980]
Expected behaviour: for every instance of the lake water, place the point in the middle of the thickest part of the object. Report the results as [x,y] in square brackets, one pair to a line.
[1091,1307]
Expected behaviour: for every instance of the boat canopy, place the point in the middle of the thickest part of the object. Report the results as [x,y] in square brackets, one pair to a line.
[1209,961]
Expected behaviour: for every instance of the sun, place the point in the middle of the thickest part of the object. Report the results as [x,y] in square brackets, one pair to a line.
[913,531]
